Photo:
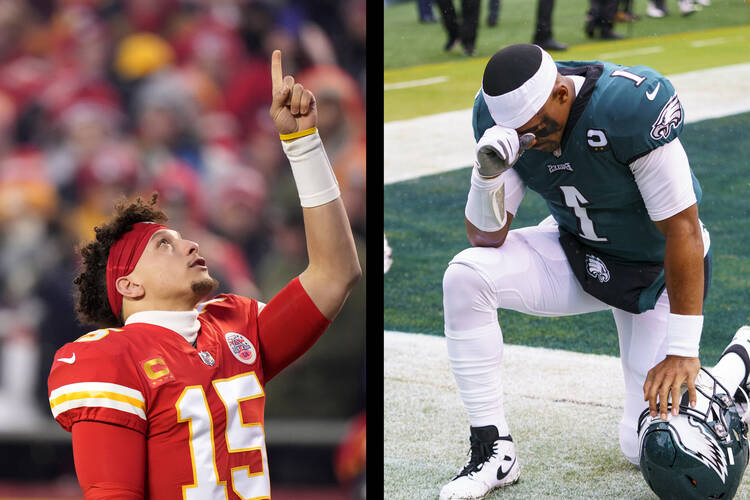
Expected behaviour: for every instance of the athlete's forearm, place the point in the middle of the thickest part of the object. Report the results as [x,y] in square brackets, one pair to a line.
[334,266]
[683,270]
[683,262]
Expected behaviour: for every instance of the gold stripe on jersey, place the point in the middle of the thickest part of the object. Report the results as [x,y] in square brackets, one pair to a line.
[97,394]
[94,395]
[96,335]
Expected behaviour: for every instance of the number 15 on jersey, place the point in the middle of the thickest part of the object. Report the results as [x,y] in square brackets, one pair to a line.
[192,407]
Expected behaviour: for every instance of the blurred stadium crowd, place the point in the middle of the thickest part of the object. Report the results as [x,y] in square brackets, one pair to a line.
[104,98]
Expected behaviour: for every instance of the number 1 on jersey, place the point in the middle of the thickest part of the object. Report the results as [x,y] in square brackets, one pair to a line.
[637,79]
[192,407]
[575,200]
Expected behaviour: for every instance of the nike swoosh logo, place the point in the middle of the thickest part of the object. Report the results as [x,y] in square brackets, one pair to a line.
[69,360]
[652,95]
[501,473]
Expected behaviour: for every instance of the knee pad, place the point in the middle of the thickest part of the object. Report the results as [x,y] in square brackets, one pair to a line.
[467,298]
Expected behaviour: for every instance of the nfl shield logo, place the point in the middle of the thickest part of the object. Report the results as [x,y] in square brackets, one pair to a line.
[207,358]
[241,348]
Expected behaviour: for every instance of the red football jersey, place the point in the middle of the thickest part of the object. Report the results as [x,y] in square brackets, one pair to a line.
[200,408]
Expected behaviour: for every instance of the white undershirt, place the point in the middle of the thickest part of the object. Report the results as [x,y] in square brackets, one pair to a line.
[183,322]
[577,82]
[663,177]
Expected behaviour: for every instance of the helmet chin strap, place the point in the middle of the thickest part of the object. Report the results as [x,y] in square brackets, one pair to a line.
[745,417]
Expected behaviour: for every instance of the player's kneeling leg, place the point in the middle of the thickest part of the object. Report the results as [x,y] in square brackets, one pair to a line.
[474,342]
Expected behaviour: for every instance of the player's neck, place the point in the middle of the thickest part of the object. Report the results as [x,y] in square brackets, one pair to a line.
[183,322]
[130,307]
[573,92]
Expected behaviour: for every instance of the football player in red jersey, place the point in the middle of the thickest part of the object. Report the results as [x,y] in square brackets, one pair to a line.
[166,400]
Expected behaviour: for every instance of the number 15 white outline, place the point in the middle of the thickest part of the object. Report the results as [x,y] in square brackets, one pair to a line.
[192,407]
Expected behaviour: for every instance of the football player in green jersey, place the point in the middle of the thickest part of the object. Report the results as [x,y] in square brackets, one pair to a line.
[599,142]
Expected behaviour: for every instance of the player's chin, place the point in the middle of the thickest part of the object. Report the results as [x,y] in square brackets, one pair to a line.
[204,287]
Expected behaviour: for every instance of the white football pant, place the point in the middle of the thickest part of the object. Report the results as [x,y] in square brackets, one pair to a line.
[530,274]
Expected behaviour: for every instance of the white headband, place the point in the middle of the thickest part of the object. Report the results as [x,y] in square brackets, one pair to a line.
[518,106]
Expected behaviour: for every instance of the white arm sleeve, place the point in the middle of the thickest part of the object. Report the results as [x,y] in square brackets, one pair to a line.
[490,199]
[514,191]
[664,180]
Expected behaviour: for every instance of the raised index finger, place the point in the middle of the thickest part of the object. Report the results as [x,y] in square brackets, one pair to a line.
[277,76]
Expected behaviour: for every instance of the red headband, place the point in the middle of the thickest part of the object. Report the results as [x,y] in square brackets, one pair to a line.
[124,255]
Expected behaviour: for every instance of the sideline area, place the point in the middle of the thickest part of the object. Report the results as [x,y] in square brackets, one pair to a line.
[451,85]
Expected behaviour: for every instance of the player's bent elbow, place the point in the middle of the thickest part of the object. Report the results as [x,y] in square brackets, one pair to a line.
[354,275]
[684,224]
[333,286]
[481,241]
[347,274]
[479,238]
[495,239]
[340,274]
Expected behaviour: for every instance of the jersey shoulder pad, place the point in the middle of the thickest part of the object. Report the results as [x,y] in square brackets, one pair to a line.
[481,119]
[94,378]
[640,109]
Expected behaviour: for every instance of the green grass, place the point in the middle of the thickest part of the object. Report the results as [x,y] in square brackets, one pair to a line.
[563,410]
[424,224]
[413,51]
[729,46]
[409,43]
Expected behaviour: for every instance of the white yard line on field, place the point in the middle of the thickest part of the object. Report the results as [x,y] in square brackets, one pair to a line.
[445,141]
[629,53]
[716,41]
[415,83]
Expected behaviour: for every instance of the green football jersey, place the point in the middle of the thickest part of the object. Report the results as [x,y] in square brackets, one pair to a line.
[620,114]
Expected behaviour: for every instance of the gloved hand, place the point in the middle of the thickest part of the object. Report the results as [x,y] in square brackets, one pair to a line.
[499,149]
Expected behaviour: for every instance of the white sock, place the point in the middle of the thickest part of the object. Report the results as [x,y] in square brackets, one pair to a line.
[475,357]
[730,371]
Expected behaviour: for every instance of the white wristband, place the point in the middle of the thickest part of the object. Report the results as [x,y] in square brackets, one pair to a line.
[684,335]
[316,182]
[485,206]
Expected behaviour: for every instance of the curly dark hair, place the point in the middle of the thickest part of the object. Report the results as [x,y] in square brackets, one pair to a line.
[92,306]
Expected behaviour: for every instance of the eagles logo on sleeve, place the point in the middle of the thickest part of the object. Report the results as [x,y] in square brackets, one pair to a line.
[670,117]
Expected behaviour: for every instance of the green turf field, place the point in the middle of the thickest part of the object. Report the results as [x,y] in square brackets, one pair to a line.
[425,228]
[669,54]
[717,36]
[409,43]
